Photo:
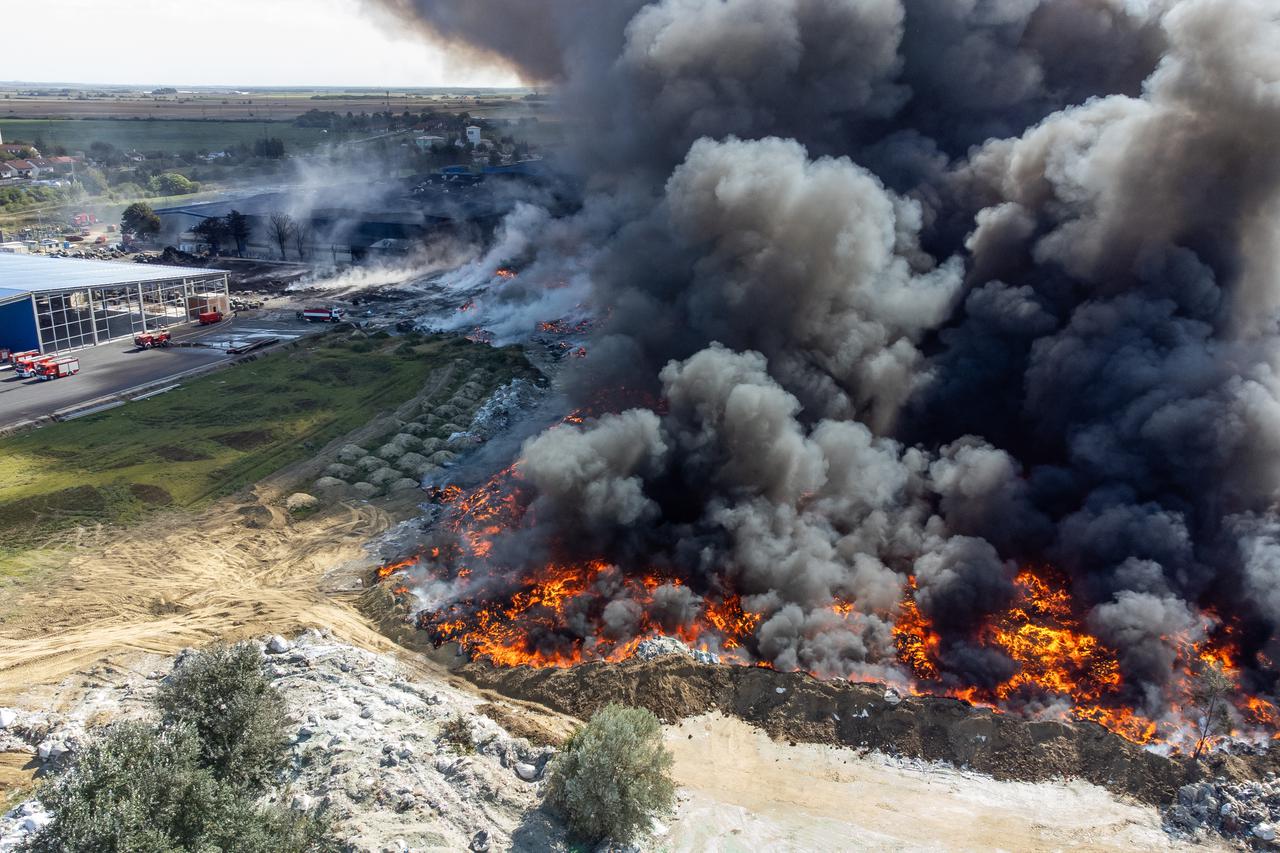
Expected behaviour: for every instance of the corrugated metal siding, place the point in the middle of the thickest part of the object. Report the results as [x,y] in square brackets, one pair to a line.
[18,326]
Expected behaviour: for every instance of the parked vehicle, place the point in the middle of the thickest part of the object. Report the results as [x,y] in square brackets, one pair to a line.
[208,318]
[28,366]
[14,356]
[321,315]
[57,368]
[148,340]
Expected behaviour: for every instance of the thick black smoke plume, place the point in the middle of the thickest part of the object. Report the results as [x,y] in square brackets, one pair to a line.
[929,288]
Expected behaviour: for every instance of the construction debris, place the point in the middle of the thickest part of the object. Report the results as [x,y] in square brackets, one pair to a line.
[662,646]
[1246,812]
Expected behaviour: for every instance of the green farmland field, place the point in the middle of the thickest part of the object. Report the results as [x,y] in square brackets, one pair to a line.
[160,134]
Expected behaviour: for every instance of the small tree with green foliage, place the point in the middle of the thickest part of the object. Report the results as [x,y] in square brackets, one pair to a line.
[213,231]
[613,775]
[238,229]
[140,220]
[224,694]
[173,183]
[1210,690]
[138,787]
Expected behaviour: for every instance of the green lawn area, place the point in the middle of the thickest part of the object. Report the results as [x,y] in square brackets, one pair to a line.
[214,435]
[170,135]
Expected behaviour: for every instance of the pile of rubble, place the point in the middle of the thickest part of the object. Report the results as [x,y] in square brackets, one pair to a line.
[369,743]
[658,647]
[1248,812]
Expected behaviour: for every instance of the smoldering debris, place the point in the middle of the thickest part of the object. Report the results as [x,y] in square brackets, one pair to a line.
[922,294]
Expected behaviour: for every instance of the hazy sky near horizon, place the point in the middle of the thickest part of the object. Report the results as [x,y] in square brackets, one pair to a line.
[230,43]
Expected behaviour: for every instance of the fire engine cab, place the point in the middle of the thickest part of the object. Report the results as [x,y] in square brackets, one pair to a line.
[27,366]
[57,368]
[147,340]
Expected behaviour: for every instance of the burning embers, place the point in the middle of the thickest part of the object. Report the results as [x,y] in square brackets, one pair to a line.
[564,612]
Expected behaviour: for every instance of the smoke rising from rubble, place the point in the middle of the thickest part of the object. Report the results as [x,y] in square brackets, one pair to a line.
[929,289]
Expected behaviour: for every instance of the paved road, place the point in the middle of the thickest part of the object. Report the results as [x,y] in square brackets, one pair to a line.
[116,366]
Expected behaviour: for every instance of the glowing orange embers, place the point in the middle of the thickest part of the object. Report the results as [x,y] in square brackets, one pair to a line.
[1054,655]
[484,592]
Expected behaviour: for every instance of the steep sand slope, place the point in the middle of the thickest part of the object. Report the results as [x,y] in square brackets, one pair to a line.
[742,791]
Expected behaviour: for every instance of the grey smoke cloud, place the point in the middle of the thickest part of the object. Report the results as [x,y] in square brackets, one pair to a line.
[930,289]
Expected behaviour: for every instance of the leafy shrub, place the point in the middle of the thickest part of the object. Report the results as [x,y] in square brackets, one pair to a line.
[172,183]
[142,788]
[456,732]
[224,695]
[612,775]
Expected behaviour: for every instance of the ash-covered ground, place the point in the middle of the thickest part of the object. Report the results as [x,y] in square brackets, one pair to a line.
[367,744]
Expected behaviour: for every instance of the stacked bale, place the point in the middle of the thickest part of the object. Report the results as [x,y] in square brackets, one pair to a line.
[351,453]
[339,471]
[411,462]
[444,457]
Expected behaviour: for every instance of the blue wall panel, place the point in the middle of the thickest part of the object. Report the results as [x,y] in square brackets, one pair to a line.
[18,326]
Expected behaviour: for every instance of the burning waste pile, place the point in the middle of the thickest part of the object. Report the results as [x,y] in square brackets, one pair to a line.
[937,345]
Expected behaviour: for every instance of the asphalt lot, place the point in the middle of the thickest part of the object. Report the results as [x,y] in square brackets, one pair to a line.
[116,366]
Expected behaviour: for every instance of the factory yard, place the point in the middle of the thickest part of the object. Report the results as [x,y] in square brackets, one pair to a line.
[117,368]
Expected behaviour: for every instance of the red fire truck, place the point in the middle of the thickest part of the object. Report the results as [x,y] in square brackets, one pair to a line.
[321,315]
[57,368]
[208,318]
[27,365]
[147,340]
[14,356]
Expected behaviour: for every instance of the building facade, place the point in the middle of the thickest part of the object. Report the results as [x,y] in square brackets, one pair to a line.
[62,304]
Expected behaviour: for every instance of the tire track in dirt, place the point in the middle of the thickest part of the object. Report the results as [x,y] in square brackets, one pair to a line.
[241,567]
[183,579]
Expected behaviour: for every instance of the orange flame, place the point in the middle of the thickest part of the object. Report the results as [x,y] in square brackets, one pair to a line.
[552,615]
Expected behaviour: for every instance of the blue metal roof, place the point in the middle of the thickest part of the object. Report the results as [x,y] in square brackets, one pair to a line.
[24,274]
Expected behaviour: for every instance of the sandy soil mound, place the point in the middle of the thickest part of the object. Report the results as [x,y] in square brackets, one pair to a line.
[820,797]
[795,707]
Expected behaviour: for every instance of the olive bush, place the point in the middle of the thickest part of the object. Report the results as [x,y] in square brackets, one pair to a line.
[192,782]
[224,694]
[139,787]
[613,775]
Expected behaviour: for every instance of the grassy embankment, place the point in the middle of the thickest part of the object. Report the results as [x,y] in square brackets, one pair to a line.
[216,434]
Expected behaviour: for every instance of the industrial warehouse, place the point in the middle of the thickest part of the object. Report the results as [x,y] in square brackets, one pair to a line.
[61,304]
